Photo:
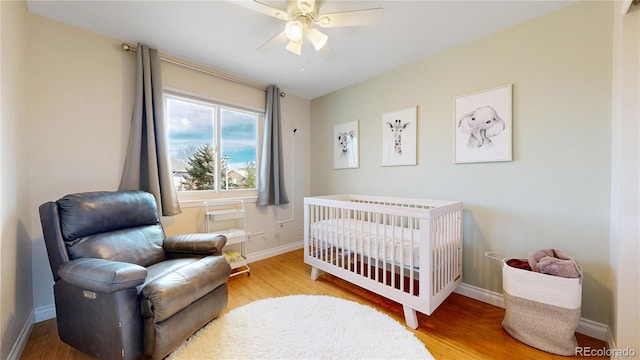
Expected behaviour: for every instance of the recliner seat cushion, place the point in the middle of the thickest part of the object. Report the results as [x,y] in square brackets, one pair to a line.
[163,268]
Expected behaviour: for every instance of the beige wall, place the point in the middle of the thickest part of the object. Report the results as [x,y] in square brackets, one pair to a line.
[15,247]
[555,194]
[80,91]
[81,87]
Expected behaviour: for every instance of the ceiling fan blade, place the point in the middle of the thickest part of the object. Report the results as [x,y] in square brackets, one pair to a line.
[276,41]
[263,8]
[351,18]
[327,52]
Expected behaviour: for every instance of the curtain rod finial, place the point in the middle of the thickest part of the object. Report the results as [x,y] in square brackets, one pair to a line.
[126,47]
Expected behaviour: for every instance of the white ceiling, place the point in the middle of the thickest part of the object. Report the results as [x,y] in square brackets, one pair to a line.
[224,36]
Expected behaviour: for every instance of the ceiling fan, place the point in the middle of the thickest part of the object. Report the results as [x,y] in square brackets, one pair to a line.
[302,17]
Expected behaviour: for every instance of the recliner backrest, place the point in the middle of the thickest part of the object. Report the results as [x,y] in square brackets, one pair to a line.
[120,226]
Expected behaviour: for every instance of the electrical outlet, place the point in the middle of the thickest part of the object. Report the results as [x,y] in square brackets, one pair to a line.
[299,231]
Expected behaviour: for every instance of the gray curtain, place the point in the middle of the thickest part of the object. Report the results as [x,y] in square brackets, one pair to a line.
[271,189]
[147,166]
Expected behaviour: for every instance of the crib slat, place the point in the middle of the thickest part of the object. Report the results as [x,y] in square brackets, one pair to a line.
[392,266]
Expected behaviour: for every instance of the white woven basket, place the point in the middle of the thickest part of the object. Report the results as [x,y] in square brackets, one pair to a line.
[541,310]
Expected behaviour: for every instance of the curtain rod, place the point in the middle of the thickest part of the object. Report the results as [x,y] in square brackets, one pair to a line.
[127,47]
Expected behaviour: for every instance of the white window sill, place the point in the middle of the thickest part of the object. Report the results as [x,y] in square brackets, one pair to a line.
[189,199]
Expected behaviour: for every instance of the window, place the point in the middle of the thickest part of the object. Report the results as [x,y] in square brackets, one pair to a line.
[212,147]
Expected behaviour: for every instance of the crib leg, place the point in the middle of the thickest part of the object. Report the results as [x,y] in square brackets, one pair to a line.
[315,273]
[410,317]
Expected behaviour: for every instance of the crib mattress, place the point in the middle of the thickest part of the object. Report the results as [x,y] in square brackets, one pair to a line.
[392,244]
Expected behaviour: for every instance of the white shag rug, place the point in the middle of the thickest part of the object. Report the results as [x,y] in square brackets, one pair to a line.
[303,327]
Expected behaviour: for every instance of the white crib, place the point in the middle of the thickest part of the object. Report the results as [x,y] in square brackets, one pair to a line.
[407,250]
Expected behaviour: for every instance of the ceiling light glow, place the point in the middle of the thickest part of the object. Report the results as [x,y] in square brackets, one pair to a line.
[294,30]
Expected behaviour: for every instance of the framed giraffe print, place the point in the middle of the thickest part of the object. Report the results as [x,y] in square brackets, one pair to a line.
[399,137]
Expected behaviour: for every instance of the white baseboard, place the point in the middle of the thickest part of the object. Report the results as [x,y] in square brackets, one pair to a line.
[23,337]
[265,254]
[480,294]
[595,329]
[46,312]
[585,326]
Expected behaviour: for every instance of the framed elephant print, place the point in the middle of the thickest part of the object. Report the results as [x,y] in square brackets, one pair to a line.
[483,126]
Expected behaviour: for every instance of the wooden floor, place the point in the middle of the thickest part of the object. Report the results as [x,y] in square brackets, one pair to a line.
[461,328]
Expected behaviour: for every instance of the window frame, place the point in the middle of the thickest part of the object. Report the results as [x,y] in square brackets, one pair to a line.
[197,196]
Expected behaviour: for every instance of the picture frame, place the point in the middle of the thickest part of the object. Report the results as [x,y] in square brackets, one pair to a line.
[346,150]
[483,126]
[399,137]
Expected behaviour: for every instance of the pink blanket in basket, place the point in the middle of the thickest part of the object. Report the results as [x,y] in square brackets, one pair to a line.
[553,262]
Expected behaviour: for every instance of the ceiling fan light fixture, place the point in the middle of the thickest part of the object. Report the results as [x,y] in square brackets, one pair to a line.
[304,17]
[318,39]
[294,30]
[295,47]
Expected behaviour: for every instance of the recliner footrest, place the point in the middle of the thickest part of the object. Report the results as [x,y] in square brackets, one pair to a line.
[171,293]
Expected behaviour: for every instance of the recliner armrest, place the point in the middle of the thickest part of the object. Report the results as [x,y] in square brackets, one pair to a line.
[169,294]
[101,275]
[197,244]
